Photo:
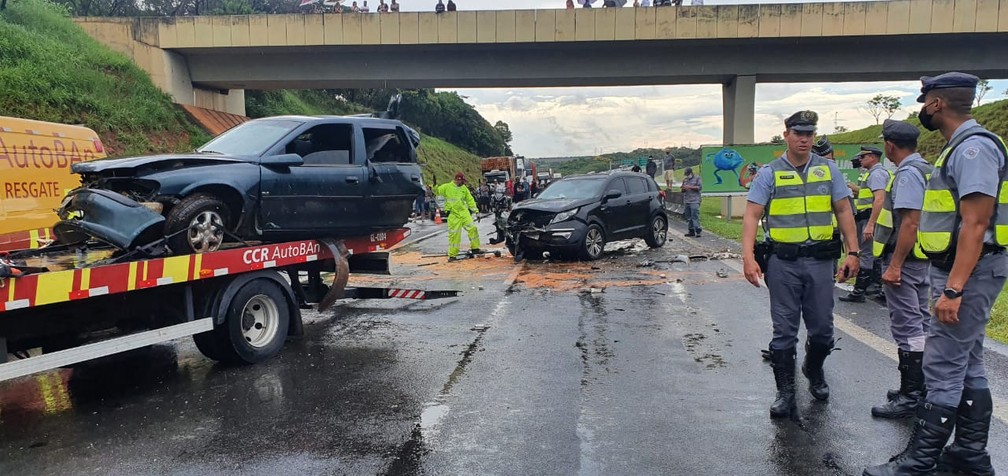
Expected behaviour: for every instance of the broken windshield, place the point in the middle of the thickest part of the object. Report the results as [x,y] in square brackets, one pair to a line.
[252,138]
[574,189]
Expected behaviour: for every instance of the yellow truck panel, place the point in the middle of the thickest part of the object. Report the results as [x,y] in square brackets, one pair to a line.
[35,160]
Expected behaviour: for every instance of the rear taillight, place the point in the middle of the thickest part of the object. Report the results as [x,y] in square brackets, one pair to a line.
[98,146]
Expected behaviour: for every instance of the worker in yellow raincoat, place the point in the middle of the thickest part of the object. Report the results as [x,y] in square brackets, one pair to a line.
[460,204]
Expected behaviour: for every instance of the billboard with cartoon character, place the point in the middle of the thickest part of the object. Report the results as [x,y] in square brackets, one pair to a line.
[728,170]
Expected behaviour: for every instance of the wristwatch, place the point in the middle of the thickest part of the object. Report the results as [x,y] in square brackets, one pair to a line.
[952,293]
[854,253]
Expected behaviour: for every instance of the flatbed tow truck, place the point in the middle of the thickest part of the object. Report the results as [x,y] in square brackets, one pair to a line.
[239,304]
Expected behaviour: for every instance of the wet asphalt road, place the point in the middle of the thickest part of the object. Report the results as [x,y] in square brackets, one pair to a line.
[541,368]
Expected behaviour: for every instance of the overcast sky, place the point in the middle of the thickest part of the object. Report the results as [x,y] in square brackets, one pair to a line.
[548,122]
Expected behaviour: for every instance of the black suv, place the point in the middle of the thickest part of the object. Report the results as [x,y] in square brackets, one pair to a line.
[270,179]
[576,216]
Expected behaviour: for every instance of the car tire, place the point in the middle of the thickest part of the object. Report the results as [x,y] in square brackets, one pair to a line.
[593,243]
[256,324]
[657,232]
[197,224]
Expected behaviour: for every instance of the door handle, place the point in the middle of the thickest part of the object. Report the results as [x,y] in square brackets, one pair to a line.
[353,179]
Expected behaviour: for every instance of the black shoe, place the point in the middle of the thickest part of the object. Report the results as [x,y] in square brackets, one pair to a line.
[698,234]
[968,452]
[689,234]
[933,428]
[854,296]
[475,251]
[812,368]
[910,393]
[783,362]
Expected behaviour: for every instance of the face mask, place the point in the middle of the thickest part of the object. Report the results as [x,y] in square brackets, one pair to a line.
[856,163]
[926,119]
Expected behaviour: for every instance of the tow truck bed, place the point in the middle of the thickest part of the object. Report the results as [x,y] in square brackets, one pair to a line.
[239,304]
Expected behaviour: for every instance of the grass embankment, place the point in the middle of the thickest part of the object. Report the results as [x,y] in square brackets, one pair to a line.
[440,159]
[51,70]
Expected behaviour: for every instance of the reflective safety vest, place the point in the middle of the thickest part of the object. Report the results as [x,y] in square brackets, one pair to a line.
[457,198]
[800,209]
[939,226]
[885,232]
[865,196]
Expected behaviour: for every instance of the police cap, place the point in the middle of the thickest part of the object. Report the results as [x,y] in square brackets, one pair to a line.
[899,131]
[802,121]
[867,149]
[945,81]
[822,147]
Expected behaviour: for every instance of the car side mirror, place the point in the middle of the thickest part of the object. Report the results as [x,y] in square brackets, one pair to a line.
[282,160]
[612,194]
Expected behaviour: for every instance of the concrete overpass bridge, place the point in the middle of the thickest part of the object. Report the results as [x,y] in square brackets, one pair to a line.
[209,61]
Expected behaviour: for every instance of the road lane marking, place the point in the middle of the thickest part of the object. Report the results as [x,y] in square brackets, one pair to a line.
[880,345]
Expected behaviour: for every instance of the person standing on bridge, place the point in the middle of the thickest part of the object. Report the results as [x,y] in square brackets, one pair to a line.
[964,231]
[906,267]
[394,6]
[439,8]
[460,205]
[799,194]
[870,193]
[451,6]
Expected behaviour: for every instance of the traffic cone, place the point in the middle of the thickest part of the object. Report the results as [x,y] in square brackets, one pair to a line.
[437,217]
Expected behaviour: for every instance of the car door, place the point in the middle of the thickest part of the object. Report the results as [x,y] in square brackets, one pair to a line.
[324,195]
[614,210]
[639,206]
[393,175]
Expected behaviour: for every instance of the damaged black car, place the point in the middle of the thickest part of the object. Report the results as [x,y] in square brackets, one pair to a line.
[576,216]
[267,180]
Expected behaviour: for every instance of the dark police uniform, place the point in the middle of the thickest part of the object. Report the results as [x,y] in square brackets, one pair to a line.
[958,395]
[908,303]
[869,182]
[799,271]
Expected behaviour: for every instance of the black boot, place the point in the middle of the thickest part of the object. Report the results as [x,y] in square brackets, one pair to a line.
[860,284]
[968,453]
[812,368]
[783,363]
[910,391]
[874,287]
[933,428]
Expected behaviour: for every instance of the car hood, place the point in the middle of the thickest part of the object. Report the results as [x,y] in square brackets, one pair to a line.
[156,161]
[551,205]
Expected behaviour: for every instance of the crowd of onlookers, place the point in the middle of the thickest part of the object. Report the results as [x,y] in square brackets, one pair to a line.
[636,3]
[339,6]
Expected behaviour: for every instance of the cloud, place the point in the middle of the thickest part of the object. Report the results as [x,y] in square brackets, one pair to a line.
[549,122]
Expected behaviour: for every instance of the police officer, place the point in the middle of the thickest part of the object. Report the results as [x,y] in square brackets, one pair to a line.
[823,148]
[906,267]
[799,194]
[963,229]
[870,193]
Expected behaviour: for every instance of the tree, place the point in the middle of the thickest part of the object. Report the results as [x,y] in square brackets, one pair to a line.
[777,140]
[504,131]
[881,104]
[982,88]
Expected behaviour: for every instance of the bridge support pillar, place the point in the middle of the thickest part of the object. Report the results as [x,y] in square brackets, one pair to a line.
[739,106]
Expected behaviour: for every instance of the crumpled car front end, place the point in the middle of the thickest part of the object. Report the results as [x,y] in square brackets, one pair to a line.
[109,217]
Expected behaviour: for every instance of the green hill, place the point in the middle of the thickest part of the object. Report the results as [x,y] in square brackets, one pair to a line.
[993,116]
[52,71]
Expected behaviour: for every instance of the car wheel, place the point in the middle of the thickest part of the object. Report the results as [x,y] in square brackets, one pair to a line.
[197,224]
[255,327]
[657,232]
[594,243]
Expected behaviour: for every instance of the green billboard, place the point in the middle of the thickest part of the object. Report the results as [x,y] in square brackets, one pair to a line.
[728,170]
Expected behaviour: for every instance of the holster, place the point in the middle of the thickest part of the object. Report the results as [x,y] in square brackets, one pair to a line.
[761,253]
